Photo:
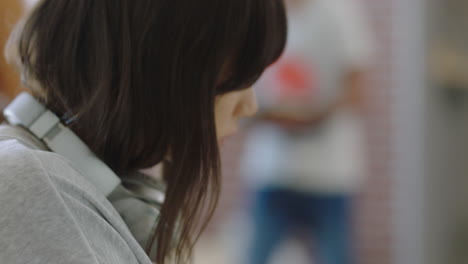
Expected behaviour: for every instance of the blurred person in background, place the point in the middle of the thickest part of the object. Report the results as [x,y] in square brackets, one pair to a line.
[304,155]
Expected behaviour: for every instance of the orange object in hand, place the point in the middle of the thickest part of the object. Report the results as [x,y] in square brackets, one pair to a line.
[296,79]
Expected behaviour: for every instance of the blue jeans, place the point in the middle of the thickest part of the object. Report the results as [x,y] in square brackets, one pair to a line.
[325,218]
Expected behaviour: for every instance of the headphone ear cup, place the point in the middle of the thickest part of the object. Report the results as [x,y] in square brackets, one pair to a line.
[139,200]
[141,218]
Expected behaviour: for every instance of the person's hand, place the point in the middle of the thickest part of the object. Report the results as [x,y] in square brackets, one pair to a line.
[293,116]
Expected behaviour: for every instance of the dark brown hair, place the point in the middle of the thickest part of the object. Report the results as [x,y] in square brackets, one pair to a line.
[137,81]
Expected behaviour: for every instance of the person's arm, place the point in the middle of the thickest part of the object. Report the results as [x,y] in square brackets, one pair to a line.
[296,115]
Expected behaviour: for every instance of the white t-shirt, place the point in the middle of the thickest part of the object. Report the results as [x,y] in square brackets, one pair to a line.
[326,39]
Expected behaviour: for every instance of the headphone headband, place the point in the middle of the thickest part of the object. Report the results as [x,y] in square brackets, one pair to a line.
[27,112]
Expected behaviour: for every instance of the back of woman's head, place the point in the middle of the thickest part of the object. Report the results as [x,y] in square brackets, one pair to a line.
[137,81]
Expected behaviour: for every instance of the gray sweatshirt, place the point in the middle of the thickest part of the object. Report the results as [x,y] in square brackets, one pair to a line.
[49,213]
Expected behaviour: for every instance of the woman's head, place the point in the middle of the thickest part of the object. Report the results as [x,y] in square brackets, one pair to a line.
[139,79]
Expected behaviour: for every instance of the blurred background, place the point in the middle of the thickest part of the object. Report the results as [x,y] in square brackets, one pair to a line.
[403,68]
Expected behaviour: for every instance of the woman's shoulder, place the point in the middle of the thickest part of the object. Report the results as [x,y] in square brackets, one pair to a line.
[25,166]
[45,199]
[30,174]
[32,210]
[23,157]
[18,164]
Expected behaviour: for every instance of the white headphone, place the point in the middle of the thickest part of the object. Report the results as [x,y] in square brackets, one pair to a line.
[139,202]
[27,112]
